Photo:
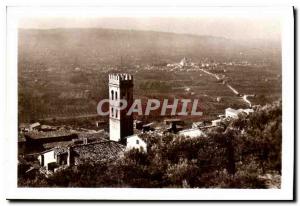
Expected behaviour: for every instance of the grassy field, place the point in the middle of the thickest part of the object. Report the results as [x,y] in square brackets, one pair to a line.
[57,95]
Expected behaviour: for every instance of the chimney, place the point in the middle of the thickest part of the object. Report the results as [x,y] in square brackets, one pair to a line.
[70,160]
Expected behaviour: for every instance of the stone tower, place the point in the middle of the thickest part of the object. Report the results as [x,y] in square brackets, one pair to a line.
[120,124]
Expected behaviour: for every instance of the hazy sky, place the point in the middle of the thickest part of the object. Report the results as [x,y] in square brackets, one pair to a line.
[229,27]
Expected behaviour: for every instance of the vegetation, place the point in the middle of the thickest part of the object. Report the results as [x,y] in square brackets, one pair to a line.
[234,156]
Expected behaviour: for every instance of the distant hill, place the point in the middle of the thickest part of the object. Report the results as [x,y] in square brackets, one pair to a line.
[94,46]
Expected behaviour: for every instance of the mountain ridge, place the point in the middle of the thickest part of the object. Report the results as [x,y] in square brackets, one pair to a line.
[100,46]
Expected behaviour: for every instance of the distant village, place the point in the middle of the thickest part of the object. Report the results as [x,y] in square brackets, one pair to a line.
[59,147]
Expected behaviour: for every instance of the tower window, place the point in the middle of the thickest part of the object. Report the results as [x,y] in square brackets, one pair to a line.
[116,95]
[112,94]
[112,112]
[137,141]
[116,113]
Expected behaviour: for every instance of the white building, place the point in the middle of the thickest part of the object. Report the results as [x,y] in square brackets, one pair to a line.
[185,62]
[135,142]
[194,132]
[232,113]
[47,158]
[55,157]
[34,126]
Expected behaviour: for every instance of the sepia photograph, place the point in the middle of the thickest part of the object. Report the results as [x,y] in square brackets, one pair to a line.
[162,100]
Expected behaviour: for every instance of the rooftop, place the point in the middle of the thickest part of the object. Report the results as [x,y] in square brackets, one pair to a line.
[237,111]
[194,132]
[36,124]
[50,134]
[99,135]
[99,151]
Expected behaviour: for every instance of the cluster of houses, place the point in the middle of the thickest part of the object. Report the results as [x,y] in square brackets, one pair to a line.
[175,126]
[185,62]
[64,148]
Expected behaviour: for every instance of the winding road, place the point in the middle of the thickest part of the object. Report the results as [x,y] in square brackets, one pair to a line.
[247,100]
[245,96]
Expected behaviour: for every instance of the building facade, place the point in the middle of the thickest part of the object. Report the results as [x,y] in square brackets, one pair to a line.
[135,142]
[120,124]
[192,133]
[234,113]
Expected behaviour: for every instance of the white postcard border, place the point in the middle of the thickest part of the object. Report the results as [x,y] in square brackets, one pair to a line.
[286,191]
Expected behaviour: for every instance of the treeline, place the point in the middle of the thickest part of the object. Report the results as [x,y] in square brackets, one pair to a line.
[235,155]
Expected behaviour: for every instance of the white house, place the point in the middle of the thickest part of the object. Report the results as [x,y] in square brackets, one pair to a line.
[55,157]
[194,132]
[34,126]
[47,158]
[135,142]
[232,113]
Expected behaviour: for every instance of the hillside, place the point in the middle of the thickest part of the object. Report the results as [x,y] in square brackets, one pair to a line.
[93,47]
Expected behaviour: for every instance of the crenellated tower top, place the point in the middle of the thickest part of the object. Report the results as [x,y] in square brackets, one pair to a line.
[120,78]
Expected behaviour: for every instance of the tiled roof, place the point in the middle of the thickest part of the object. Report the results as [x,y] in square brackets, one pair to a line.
[101,135]
[50,134]
[99,151]
[60,150]
[57,144]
